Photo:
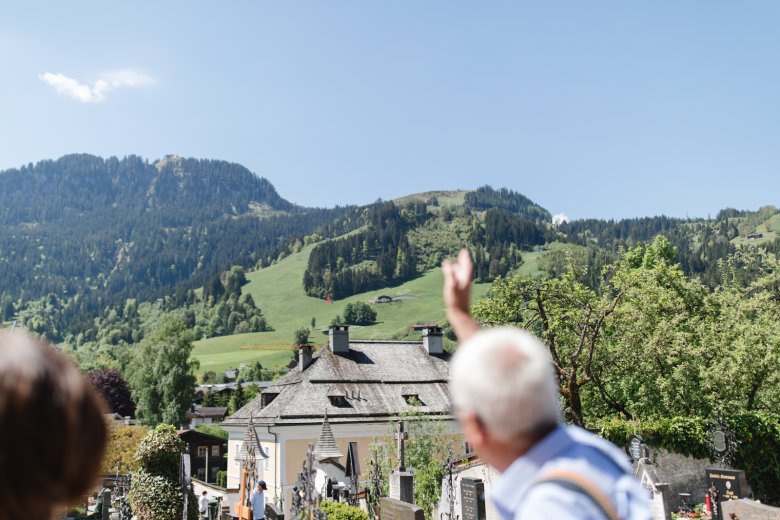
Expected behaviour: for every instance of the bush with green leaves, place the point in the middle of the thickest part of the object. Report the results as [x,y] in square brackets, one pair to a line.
[155,492]
[301,336]
[359,313]
[341,511]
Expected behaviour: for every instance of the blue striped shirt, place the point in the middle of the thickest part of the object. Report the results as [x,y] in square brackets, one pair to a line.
[517,496]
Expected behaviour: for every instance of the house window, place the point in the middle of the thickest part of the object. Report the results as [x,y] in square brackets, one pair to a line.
[214,471]
[202,474]
[467,448]
[215,450]
[203,451]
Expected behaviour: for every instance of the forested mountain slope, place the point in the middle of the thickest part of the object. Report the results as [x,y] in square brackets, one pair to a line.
[118,228]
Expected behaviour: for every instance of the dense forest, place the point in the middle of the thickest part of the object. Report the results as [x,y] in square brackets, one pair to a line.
[376,257]
[112,229]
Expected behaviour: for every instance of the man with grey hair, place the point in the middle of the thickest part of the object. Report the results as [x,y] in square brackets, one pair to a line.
[506,398]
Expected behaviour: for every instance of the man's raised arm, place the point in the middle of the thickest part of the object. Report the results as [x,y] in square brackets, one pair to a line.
[457,294]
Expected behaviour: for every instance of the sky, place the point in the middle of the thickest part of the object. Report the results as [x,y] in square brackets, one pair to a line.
[603,109]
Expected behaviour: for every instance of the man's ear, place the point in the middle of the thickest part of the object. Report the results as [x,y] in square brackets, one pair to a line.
[473,429]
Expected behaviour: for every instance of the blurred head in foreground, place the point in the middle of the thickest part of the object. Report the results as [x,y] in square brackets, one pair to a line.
[52,431]
[504,393]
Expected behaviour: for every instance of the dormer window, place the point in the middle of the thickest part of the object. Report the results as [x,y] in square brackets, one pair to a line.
[337,396]
[411,396]
[267,398]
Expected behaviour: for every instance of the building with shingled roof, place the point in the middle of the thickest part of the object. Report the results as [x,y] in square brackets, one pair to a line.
[347,392]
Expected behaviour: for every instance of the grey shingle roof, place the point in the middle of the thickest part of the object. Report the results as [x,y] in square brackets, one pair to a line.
[326,445]
[373,376]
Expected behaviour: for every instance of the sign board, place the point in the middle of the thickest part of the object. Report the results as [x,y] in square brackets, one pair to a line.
[472,499]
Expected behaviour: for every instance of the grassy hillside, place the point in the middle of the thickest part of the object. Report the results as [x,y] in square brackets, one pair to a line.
[278,291]
[770,228]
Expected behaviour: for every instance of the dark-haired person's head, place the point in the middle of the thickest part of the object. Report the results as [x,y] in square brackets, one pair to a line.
[52,431]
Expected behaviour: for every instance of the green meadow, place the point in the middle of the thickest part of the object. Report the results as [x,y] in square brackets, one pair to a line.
[278,291]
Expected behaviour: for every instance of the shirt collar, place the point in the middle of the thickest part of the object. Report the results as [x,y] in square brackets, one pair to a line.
[510,488]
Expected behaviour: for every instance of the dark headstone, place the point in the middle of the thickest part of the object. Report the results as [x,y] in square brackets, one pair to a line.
[472,499]
[402,486]
[106,496]
[725,484]
[392,509]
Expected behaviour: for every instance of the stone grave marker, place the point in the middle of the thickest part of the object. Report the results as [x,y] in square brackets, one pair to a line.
[401,480]
[744,509]
[660,494]
[472,499]
[392,509]
[637,448]
[725,485]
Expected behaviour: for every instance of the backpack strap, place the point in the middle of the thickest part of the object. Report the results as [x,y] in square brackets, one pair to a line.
[580,484]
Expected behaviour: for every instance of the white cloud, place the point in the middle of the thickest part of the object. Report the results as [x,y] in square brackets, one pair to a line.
[559,219]
[95,92]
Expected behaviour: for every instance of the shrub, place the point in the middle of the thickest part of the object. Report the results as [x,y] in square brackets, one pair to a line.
[222,479]
[340,511]
[155,493]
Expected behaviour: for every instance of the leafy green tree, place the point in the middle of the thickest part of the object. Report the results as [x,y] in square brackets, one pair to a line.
[163,373]
[210,377]
[301,336]
[359,313]
[236,400]
[566,315]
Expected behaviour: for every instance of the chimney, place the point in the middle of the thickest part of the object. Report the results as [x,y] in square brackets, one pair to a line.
[338,339]
[304,356]
[432,340]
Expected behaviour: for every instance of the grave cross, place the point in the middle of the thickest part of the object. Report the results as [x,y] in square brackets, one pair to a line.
[450,483]
[401,436]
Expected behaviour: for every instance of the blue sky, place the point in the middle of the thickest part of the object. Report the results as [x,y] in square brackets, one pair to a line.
[593,109]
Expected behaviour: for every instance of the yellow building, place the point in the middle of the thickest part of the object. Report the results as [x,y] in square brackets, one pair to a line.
[361,385]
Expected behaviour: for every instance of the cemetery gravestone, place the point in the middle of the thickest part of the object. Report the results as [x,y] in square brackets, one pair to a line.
[472,499]
[726,485]
[392,509]
[402,481]
[636,448]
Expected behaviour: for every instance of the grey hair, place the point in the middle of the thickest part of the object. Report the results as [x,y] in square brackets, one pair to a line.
[504,376]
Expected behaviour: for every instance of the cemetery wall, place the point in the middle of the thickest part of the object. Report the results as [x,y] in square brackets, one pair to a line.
[683,474]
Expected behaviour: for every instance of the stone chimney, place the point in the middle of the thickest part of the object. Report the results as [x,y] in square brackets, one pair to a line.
[338,339]
[304,356]
[432,340]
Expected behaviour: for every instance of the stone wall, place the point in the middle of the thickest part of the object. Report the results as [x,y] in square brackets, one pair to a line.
[683,474]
